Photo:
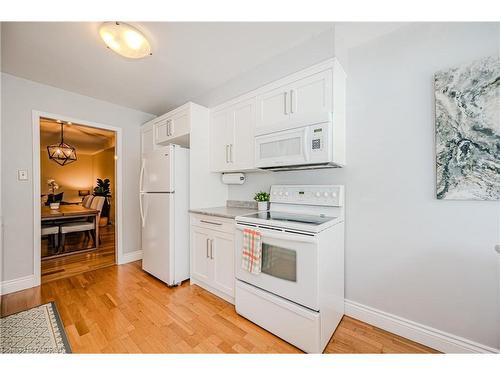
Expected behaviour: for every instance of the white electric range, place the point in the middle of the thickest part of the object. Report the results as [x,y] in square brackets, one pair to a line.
[299,294]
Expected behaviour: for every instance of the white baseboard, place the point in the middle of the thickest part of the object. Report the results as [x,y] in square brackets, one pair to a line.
[131,257]
[433,338]
[224,296]
[15,285]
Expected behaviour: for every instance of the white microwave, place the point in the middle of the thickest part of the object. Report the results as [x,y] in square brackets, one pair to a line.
[303,147]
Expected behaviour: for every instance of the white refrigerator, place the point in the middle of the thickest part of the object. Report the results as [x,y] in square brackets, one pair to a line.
[164,204]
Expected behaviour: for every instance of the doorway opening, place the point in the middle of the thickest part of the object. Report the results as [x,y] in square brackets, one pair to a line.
[77,197]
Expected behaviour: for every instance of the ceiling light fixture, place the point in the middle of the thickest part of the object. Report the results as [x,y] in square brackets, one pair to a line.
[125,40]
[62,153]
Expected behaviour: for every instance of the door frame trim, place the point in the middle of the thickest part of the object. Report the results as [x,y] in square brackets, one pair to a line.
[119,255]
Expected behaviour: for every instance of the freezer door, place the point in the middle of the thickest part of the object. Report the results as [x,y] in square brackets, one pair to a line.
[156,171]
[157,235]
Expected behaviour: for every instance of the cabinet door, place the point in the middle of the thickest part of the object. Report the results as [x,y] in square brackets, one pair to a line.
[221,136]
[243,150]
[147,139]
[180,124]
[160,130]
[273,107]
[201,266]
[222,256]
[311,95]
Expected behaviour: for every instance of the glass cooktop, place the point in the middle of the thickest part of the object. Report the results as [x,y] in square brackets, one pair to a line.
[291,217]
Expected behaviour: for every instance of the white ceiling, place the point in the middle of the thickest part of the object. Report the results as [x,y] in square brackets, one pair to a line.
[85,139]
[189,59]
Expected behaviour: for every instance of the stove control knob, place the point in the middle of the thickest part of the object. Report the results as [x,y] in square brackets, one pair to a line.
[325,194]
[286,193]
[318,194]
[281,193]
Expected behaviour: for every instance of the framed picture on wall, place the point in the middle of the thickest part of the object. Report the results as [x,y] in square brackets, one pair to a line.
[468,131]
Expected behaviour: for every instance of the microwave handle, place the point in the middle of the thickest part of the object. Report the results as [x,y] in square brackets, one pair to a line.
[306,143]
[280,235]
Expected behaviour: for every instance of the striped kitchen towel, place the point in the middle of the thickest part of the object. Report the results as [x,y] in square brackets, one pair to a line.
[252,251]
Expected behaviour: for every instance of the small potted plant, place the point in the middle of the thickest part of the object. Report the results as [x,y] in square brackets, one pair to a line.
[53,187]
[262,199]
[103,190]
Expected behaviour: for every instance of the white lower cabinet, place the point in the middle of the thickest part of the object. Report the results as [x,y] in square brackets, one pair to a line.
[212,255]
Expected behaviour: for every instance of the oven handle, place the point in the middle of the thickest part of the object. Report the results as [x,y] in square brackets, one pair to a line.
[280,235]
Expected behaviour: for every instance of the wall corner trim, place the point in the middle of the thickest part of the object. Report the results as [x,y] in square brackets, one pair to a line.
[15,285]
[431,337]
[131,257]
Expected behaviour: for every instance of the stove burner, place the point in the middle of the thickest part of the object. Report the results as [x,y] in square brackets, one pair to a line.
[291,217]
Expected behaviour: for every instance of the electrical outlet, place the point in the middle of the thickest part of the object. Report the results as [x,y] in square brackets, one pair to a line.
[22,175]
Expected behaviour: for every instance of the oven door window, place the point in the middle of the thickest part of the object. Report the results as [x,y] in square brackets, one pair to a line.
[279,262]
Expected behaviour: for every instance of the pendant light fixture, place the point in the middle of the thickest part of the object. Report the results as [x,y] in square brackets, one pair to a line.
[62,153]
[125,40]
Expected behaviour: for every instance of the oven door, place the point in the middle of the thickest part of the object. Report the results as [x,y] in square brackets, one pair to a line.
[288,147]
[289,265]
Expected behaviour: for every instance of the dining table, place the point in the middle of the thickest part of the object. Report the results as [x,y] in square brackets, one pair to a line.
[71,212]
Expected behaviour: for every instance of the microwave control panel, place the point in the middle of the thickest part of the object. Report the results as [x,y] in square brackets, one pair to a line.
[317,138]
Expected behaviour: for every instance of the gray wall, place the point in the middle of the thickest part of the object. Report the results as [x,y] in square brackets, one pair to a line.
[408,254]
[19,98]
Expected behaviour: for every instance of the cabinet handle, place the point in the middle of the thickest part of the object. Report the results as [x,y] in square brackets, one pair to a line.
[168,128]
[208,241]
[227,157]
[291,101]
[210,222]
[231,159]
[284,102]
[211,249]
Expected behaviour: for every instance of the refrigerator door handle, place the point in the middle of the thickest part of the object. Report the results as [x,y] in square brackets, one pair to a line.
[143,218]
[141,177]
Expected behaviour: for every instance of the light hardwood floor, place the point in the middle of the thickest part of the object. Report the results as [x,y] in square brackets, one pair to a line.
[121,309]
[74,264]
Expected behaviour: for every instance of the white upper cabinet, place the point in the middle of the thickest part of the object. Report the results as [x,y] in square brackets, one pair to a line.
[312,95]
[273,107]
[231,137]
[221,139]
[295,100]
[243,149]
[174,126]
[147,138]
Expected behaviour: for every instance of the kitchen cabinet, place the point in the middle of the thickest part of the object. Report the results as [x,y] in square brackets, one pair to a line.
[147,137]
[173,127]
[212,255]
[231,137]
[301,97]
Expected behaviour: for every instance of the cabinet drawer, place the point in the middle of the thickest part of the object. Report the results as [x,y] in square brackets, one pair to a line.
[213,223]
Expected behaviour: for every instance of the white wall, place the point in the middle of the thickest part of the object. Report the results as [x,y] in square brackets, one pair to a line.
[19,98]
[318,48]
[407,253]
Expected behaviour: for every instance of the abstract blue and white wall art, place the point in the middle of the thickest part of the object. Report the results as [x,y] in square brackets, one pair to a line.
[468,131]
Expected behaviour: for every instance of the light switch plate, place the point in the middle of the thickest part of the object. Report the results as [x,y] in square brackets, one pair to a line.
[22,175]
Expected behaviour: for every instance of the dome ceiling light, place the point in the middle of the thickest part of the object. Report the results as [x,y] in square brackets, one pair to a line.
[125,40]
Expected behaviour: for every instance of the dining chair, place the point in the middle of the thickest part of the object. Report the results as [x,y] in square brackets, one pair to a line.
[52,231]
[87,200]
[84,226]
